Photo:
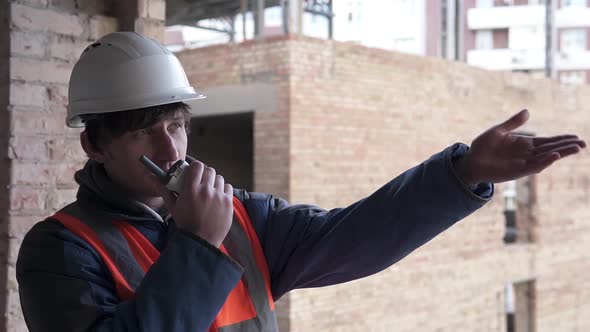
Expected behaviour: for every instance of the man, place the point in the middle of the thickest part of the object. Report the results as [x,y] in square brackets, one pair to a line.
[129,255]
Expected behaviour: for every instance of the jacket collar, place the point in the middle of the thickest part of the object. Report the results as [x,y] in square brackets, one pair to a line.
[98,191]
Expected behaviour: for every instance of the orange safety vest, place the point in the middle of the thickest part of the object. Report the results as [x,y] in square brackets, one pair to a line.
[128,255]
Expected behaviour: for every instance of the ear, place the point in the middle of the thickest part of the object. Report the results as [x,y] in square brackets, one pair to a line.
[93,152]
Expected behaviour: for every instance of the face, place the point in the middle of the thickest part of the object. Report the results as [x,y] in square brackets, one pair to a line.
[164,143]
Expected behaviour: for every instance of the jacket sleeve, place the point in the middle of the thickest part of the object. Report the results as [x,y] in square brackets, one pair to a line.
[63,285]
[307,246]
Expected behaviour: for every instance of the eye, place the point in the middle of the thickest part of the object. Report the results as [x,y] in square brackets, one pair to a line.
[174,126]
[142,132]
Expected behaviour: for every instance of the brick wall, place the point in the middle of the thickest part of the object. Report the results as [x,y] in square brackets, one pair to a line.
[418,106]
[4,161]
[45,39]
[42,39]
[350,118]
[253,61]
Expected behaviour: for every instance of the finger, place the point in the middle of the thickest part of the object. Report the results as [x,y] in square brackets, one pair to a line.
[563,151]
[543,162]
[193,177]
[547,147]
[515,121]
[169,198]
[208,177]
[544,140]
[219,183]
[228,189]
[568,150]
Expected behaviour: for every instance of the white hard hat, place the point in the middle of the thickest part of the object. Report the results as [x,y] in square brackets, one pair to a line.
[125,71]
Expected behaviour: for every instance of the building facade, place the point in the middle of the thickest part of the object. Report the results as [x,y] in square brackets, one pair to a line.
[543,38]
[512,35]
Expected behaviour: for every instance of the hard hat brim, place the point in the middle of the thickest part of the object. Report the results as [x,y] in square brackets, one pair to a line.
[85,107]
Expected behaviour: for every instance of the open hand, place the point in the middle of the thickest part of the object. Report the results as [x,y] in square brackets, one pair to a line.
[498,155]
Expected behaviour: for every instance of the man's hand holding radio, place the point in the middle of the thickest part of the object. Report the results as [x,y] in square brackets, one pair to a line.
[204,207]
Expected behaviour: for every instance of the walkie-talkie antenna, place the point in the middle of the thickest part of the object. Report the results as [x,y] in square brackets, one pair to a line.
[154,168]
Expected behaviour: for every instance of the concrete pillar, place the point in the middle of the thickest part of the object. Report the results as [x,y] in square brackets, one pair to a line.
[294,17]
[144,16]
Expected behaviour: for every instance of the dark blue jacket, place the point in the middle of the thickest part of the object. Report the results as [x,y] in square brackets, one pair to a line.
[65,286]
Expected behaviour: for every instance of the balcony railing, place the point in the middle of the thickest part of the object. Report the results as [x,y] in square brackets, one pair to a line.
[507,59]
[531,15]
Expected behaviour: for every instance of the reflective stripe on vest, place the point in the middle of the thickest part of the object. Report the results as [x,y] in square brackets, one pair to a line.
[128,255]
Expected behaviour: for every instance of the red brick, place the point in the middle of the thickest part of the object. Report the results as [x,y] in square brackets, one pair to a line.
[151,28]
[142,8]
[40,71]
[88,7]
[157,9]
[35,3]
[28,95]
[61,198]
[65,174]
[67,48]
[37,122]
[58,96]
[23,198]
[102,25]
[45,20]
[35,174]
[66,148]
[29,44]
[28,148]
[15,321]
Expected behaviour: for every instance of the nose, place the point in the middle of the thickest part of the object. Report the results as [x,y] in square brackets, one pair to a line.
[166,147]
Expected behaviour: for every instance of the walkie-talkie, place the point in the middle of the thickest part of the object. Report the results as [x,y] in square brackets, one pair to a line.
[173,179]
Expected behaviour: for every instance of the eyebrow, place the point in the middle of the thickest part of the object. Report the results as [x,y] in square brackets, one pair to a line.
[174,118]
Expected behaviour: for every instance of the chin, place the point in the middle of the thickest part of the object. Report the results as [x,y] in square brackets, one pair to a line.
[148,190]
[153,191]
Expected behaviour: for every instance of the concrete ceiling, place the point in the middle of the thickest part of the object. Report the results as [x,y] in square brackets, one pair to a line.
[191,11]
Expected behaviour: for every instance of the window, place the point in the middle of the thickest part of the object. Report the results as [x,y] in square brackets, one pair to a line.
[519,304]
[484,40]
[573,3]
[509,194]
[527,37]
[572,77]
[573,40]
[500,38]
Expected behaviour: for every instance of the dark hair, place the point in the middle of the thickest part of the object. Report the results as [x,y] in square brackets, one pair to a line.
[104,127]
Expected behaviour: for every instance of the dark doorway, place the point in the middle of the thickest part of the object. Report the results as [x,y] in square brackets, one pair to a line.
[225,143]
